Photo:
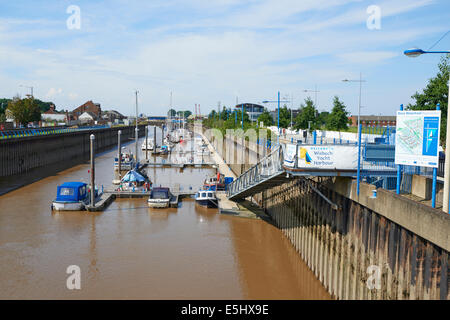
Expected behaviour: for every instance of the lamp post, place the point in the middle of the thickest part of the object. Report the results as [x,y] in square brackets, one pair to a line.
[278,117]
[315,91]
[359,126]
[413,53]
[28,88]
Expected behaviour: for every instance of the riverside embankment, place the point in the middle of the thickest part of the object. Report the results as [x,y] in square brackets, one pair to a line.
[365,247]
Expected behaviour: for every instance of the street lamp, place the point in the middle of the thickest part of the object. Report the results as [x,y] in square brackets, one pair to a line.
[28,88]
[359,128]
[278,118]
[360,90]
[413,53]
[315,91]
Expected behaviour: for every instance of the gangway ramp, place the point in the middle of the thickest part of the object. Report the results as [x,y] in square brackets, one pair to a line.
[288,161]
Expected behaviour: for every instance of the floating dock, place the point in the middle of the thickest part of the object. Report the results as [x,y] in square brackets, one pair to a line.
[102,202]
[242,209]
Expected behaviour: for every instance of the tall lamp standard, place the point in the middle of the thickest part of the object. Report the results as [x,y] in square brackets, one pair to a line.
[358,178]
[278,117]
[413,53]
[315,91]
[28,88]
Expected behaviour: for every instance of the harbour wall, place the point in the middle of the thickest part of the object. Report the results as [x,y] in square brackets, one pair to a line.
[384,247]
[21,155]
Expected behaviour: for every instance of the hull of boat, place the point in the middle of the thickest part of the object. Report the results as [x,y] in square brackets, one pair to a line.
[68,206]
[124,165]
[207,203]
[158,203]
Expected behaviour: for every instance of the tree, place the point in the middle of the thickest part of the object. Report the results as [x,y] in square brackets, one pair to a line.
[322,119]
[224,113]
[338,118]
[212,114]
[308,112]
[172,113]
[285,117]
[266,118]
[184,114]
[435,92]
[24,110]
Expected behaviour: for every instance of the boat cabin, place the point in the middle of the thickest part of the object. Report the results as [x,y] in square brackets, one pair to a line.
[72,191]
[159,193]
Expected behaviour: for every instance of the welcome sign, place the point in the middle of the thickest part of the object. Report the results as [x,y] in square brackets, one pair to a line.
[323,157]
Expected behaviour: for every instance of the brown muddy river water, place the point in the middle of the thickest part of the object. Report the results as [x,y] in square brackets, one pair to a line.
[132,252]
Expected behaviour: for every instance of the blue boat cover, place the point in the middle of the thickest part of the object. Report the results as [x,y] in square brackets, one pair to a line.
[133,176]
[71,191]
[159,193]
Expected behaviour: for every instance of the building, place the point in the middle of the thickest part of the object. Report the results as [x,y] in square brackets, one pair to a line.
[93,108]
[112,116]
[374,121]
[157,118]
[253,110]
[87,117]
[53,115]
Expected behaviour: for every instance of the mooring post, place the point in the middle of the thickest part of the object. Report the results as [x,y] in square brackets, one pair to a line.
[146,142]
[154,140]
[119,151]
[136,147]
[315,136]
[399,168]
[162,136]
[92,171]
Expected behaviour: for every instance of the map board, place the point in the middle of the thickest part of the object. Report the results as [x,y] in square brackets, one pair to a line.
[417,138]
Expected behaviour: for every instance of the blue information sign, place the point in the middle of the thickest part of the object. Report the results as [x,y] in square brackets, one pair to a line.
[430,136]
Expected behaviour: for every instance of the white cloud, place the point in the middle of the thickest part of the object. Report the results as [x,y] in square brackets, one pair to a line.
[73,96]
[53,92]
[367,57]
[227,47]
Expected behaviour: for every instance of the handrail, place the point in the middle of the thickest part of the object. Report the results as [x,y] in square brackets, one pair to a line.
[252,175]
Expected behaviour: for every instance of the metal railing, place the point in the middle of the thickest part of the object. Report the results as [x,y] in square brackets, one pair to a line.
[31,132]
[269,166]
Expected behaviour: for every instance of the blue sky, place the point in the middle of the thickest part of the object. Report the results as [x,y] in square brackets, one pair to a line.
[210,51]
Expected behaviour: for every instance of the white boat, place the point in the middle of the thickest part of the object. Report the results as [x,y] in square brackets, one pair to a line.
[159,198]
[148,146]
[203,151]
[72,196]
[206,198]
[127,160]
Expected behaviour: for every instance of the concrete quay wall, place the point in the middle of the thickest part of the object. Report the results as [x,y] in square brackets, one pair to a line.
[388,247]
[23,154]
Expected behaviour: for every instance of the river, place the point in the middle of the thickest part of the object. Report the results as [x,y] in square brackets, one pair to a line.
[132,252]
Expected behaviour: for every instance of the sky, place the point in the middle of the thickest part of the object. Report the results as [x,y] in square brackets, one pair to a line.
[219,51]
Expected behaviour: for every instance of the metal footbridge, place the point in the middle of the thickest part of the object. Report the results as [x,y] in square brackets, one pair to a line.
[288,160]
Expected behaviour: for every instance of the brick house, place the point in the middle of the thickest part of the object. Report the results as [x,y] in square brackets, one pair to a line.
[91,107]
[374,121]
